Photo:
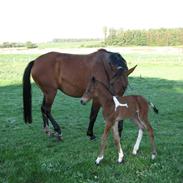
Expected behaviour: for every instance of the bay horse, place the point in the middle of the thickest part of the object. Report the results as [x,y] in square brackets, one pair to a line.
[70,73]
[134,107]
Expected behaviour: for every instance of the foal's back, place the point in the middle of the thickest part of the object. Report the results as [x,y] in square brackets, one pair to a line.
[136,103]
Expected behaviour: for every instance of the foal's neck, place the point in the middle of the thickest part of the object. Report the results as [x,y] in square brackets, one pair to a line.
[104,96]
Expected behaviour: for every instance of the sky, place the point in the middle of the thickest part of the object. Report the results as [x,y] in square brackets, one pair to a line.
[44,20]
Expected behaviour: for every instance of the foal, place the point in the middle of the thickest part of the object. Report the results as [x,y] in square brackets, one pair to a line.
[119,108]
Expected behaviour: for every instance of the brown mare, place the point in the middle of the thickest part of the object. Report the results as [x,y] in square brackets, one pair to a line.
[119,108]
[70,73]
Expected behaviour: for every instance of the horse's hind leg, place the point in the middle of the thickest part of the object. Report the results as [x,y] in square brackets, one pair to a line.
[46,109]
[45,118]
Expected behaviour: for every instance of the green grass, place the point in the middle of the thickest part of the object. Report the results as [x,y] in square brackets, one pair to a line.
[27,155]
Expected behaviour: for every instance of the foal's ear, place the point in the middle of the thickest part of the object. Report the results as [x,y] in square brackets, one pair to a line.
[93,79]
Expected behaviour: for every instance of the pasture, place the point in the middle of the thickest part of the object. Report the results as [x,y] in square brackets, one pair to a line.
[28,155]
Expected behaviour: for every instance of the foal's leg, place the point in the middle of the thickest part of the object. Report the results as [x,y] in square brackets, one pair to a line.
[137,120]
[143,122]
[151,135]
[137,144]
[117,142]
[93,115]
[49,98]
[103,142]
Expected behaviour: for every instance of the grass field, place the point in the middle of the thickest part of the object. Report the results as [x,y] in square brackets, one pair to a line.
[27,155]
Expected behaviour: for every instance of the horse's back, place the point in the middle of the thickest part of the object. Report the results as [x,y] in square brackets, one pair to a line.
[67,72]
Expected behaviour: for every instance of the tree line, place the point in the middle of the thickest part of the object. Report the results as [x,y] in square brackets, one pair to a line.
[28,45]
[151,37]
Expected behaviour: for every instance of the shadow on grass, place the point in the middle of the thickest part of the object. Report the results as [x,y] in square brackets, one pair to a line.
[167,95]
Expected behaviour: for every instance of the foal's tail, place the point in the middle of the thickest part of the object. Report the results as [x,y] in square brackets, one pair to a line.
[153,107]
[27,95]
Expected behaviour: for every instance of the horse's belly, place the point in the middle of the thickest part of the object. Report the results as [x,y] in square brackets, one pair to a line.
[73,89]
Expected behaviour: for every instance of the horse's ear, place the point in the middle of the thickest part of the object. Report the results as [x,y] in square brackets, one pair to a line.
[128,72]
[93,79]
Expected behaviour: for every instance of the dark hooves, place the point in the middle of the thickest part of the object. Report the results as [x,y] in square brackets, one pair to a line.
[93,137]
[59,137]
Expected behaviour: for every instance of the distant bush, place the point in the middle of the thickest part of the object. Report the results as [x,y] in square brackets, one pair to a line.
[30,45]
[11,45]
[18,45]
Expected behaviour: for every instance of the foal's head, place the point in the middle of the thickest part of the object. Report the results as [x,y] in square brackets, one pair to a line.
[89,92]
[95,89]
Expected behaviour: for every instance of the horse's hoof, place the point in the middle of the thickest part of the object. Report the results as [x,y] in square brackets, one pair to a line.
[50,134]
[59,138]
[93,137]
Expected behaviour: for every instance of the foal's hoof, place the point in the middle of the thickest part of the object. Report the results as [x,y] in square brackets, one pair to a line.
[120,162]
[153,156]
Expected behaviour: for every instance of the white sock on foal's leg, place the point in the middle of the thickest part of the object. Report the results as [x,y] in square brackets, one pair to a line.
[120,156]
[137,144]
[153,156]
[99,159]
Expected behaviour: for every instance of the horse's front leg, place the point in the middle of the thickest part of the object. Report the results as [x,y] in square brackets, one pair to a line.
[93,115]
[120,127]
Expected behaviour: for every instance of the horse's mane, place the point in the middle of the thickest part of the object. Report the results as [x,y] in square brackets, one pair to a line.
[118,61]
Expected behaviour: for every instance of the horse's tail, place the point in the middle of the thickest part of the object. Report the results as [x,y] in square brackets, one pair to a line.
[153,107]
[27,95]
